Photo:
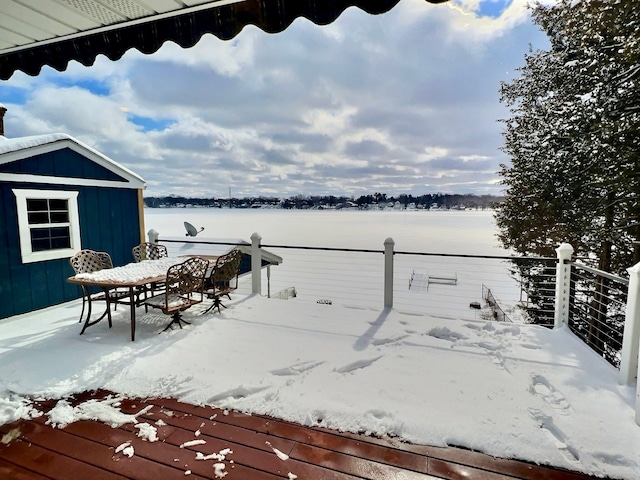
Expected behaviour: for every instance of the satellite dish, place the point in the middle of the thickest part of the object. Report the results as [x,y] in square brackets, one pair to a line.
[191,230]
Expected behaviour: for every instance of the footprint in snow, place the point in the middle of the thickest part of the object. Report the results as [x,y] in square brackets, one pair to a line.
[387,341]
[295,369]
[443,333]
[560,440]
[357,365]
[236,393]
[541,387]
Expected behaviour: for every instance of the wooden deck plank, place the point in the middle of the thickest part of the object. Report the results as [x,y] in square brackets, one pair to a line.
[55,464]
[92,454]
[249,448]
[213,428]
[360,467]
[331,441]
[87,449]
[12,471]
[390,451]
[455,471]
[171,460]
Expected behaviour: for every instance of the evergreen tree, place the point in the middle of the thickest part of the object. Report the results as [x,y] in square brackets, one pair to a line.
[573,136]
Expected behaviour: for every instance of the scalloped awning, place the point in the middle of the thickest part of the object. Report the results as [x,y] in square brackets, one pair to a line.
[54,32]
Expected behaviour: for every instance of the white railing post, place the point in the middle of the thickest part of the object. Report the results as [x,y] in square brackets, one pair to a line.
[388,272]
[153,236]
[563,282]
[631,336]
[256,264]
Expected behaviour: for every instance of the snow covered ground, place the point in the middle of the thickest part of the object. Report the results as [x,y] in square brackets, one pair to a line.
[509,390]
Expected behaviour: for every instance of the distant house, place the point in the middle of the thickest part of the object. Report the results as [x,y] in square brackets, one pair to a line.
[59,196]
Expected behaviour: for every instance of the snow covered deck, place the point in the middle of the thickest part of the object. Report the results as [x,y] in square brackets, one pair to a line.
[205,442]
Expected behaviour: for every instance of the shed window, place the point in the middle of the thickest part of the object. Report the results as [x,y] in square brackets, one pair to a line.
[48,224]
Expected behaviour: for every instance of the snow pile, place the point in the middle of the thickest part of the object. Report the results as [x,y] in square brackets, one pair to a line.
[105,411]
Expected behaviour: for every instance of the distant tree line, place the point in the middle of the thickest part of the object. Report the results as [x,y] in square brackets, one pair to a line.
[377,200]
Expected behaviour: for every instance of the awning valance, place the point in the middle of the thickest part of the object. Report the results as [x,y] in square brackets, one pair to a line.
[111,28]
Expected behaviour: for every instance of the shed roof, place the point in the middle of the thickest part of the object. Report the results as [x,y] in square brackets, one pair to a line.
[53,32]
[17,149]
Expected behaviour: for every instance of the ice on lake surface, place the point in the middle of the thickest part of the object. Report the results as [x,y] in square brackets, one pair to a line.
[462,232]
[356,278]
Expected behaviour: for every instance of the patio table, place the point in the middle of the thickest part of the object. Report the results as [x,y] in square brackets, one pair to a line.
[128,276]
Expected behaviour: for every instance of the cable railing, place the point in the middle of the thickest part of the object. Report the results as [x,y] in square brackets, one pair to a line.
[440,284]
[597,310]
[538,280]
[455,286]
[498,313]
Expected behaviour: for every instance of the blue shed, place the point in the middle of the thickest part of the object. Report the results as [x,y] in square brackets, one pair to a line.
[59,196]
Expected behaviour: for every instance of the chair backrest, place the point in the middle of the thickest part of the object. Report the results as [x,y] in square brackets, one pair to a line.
[187,277]
[226,268]
[105,258]
[149,251]
[87,261]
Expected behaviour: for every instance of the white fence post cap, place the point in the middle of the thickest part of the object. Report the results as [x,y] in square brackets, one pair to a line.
[564,248]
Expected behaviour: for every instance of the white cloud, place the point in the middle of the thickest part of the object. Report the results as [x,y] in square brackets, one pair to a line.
[390,103]
[231,58]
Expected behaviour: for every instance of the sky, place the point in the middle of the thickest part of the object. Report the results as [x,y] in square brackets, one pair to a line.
[404,102]
[442,374]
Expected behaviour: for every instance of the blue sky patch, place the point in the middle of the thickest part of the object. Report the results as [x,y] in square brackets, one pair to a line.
[493,8]
[148,123]
[94,86]
[14,95]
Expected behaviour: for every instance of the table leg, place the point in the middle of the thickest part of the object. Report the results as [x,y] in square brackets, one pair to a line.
[107,312]
[133,313]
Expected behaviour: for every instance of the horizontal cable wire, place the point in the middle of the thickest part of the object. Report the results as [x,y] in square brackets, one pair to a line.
[520,287]
[597,310]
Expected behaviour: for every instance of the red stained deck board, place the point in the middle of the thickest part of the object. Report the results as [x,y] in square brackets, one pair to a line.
[174,460]
[53,464]
[12,471]
[358,466]
[392,452]
[64,443]
[88,450]
[454,471]
[316,437]
[256,458]
[215,429]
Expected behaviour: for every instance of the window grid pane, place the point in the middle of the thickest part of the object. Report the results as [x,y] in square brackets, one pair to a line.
[43,211]
[37,205]
[59,217]
[50,238]
[38,218]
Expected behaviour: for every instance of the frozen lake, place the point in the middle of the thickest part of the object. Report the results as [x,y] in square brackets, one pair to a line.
[356,279]
[459,232]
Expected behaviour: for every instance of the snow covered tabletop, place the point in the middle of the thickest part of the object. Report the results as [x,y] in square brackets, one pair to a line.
[132,272]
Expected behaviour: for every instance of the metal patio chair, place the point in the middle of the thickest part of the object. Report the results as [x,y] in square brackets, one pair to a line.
[184,287]
[149,251]
[222,278]
[89,261]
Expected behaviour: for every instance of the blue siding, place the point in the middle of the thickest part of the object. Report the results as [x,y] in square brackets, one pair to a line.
[109,221]
[61,163]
